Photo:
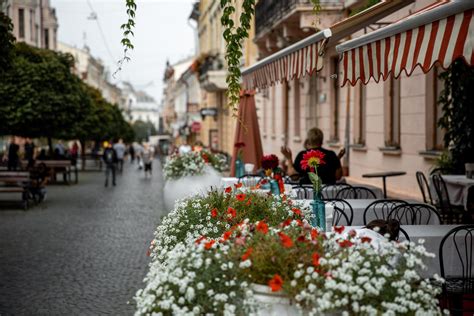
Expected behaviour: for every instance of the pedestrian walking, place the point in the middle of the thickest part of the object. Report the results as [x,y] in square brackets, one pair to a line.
[29,152]
[59,149]
[139,152]
[110,160]
[120,150]
[13,158]
[131,151]
[74,153]
[147,157]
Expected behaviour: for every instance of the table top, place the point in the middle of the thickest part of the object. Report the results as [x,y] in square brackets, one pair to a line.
[457,179]
[384,174]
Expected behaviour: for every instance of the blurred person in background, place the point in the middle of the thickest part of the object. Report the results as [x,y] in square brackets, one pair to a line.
[29,147]
[110,160]
[120,150]
[12,156]
[147,157]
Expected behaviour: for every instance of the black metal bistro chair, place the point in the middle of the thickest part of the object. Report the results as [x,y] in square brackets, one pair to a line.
[415,214]
[380,209]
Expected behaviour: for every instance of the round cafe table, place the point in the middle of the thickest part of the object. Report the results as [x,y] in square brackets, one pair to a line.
[384,175]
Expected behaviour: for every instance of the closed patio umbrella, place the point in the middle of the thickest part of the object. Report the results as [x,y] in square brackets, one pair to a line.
[248,132]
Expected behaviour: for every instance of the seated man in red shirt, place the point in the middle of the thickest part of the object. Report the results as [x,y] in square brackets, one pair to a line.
[329,172]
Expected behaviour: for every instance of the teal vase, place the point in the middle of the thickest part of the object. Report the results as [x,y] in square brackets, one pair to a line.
[319,211]
[274,187]
[239,168]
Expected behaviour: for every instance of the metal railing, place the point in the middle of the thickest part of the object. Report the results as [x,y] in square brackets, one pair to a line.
[269,12]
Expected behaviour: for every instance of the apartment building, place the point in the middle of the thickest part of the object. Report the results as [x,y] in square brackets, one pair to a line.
[34,22]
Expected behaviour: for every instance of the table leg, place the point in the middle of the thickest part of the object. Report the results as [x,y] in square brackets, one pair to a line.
[384,188]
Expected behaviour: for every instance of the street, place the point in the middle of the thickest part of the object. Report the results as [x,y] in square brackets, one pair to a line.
[82,251]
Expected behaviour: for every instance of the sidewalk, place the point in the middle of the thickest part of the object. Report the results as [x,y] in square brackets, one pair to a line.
[83,251]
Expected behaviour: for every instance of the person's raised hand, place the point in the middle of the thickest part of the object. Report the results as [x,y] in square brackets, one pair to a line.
[287,153]
[341,153]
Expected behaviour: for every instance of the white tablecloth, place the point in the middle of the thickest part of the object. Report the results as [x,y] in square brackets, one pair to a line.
[432,236]
[359,206]
[458,187]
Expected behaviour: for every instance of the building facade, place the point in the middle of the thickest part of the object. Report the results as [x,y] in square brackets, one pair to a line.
[93,72]
[34,22]
[386,126]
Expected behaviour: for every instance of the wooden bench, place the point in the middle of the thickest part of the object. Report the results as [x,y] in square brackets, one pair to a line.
[16,182]
[56,167]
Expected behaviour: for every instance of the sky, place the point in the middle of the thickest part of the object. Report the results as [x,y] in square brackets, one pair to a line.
[162,33]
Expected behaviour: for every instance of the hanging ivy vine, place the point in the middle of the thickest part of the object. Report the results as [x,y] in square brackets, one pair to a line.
[234,35]
[127,33]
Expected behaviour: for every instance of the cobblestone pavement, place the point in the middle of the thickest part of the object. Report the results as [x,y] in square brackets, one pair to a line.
[83,251]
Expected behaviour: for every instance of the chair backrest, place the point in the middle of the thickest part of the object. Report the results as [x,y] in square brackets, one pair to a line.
[441,192]
[339,217]
[250,180]
[415,214]
[461,238]
[343,206]
[404,233]
[380,209]
[424,187]
[439,171]
[356,193]
[304,191]
[330,191]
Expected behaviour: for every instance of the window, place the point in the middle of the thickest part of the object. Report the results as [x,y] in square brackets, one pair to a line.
[334,115]
[297,107]
[392,112]
[21,23]
[32,23]
[434,111]
[273,118]
[46,38]
[360,114]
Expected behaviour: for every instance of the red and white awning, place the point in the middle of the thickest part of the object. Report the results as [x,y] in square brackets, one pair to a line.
[440,33]
[296,61]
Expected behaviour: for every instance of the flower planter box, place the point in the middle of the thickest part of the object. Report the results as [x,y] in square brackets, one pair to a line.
[273,303]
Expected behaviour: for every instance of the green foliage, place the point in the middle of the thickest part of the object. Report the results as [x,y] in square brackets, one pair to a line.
[233,37]
[39,94]
[458,113]
[316,6]
[143,130]
[6,42]
[127,32]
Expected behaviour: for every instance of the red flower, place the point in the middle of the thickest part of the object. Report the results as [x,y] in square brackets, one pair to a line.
[339,229]
[301,238]
[247,254]
[269,162]
[148,252]
[316,258]
[262,227]
[345,243]
[241,197]
[238,185]
[287,222]
[314,233]
[297,211]
[226,235]
[228,189]
[198,241]
[276,283]
[231,213]
[365,239]
[312,159]
[299,222]
[214,212]
[239,145]
[352,233]
[249,202]
[209,244]
[264,181]
[205,157]
[285,240]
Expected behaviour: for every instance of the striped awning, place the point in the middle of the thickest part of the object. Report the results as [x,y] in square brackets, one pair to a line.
[295,61]
[439,33]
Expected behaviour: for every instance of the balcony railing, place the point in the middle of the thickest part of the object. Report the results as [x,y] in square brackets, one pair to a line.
[269,12]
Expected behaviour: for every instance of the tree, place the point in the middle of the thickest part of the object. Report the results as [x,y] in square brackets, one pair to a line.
[458,113]
[39,95]
[7,41]
[143,130]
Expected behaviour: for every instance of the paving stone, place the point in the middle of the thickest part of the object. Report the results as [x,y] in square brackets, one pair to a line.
[83,251]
